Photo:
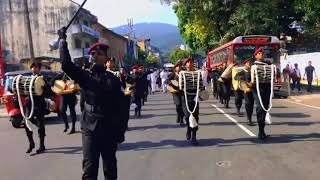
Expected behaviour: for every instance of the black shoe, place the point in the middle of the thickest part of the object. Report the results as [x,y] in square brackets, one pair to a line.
[72,131]
[66,129]
[31,146]
[188,134]
[194,142]
[178,119]
[139,114]
[41,149]
[263,136]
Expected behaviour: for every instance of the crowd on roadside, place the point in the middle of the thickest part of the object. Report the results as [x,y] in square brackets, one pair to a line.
[293,76]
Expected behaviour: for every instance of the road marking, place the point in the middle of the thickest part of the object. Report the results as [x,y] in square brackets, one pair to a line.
[297,100]
[315,107]
[235,121]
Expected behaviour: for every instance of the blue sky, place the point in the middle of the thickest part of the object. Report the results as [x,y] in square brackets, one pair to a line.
[112,13]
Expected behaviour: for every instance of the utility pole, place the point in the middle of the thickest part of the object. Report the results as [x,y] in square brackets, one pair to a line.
[130,26]
[26,12]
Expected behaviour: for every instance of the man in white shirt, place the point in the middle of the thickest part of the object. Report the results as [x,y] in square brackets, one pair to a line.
[154,77]
[164,77]
[296,77]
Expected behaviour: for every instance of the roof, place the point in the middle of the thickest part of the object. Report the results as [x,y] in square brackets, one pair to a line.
[110,31]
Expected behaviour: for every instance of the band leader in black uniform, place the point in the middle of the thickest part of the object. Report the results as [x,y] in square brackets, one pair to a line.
[38,115]
[67,100]
[245,75]
[102,124]
[177,97]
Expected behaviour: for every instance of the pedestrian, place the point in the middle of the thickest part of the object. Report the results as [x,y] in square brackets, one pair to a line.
[309,70]
[245,76]
[67,100]
[214,79]
[154,78]
[296,78]
[149,82]
[102,125]
[164,77]
[177,96]
[38,115]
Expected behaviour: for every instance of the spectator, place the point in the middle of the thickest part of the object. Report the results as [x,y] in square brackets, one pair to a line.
[286,73]
[164,77]
[309,71]
[296,77]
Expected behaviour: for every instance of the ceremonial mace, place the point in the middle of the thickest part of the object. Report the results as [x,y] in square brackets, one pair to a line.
[54,45]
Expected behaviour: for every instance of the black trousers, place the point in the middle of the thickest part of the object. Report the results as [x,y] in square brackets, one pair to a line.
[70,101]
[265,95]
[96,143]
[37,119]
[249,104]
[226,90]
[137,100]
[238,97]
[296,83]
[215,88]
[191,105]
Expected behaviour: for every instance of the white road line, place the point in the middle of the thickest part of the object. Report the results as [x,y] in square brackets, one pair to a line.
[235,121]
[315,107]
[297,100]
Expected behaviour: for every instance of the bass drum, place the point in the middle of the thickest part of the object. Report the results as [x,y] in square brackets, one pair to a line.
[24,83]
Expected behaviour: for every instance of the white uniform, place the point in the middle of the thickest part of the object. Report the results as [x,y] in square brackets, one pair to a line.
[154,77]
[164,77]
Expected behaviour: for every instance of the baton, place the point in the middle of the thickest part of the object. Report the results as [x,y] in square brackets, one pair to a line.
[54,45]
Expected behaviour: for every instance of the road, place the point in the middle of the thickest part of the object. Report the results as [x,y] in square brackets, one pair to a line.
[156,149]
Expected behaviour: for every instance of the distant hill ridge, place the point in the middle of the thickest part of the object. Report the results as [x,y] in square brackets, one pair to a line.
[163,36]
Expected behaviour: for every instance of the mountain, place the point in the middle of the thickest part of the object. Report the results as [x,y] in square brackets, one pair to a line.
[163,36]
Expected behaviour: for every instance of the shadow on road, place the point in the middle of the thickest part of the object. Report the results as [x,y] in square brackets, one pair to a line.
[171,144]
[65,150]
[290,115]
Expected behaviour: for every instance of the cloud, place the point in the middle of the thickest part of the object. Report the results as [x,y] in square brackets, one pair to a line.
[116,12]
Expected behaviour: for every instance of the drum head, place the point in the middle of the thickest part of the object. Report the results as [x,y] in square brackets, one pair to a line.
[39,85]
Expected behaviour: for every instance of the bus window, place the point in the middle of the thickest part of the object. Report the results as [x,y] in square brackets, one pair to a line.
[270,54]
[243,52]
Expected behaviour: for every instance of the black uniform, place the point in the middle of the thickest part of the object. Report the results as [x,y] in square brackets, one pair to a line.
[138,91]
[225,89]
[67,100]
[214,76]
[191,94]
[265,92]
[103,123]
[145,86]
[245,75]
[177,97]
[37,119]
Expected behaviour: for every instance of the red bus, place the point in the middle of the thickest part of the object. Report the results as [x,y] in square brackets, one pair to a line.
[242,48]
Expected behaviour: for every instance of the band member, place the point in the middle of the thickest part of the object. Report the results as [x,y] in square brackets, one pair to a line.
[138,90]
[145,84]
[265,92]
[238,97]
[67,100]
[214,77]
[245,75]
[38,115]
[102,125]
[191,132]
[226,88]
[177,97]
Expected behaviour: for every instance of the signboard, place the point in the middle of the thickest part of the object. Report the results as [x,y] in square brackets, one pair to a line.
[90,31]
[86,52]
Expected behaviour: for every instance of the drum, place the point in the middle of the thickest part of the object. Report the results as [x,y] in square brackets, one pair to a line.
[23,83]
[128,90]
[192,80]
[227,73]
[171,89]
[264,73]
[61,87]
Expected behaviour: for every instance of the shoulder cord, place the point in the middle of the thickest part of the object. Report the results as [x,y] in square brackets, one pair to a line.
[185,92]
[33,78]
[258,89]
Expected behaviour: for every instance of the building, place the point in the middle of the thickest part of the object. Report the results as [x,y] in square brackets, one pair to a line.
[144,44]
[46,17]
[118,44]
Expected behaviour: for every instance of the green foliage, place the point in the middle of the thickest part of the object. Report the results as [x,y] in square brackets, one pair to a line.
[178,54]
[206,24]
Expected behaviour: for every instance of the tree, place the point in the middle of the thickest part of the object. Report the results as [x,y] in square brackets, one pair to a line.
[206,24]
[178,54]
[152,60]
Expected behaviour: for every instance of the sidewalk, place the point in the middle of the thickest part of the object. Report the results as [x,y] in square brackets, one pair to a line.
[3,112]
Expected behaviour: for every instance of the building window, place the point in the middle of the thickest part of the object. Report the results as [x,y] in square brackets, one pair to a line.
[85,23]
[77,43]
[87,45]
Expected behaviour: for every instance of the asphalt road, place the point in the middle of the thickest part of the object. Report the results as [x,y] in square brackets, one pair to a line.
[156,149]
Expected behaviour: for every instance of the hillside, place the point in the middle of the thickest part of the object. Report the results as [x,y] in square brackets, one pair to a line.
[163,36]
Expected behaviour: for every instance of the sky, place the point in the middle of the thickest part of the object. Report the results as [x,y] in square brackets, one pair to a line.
[113,13]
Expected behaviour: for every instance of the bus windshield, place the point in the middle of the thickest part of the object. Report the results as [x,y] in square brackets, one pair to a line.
[243,52]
